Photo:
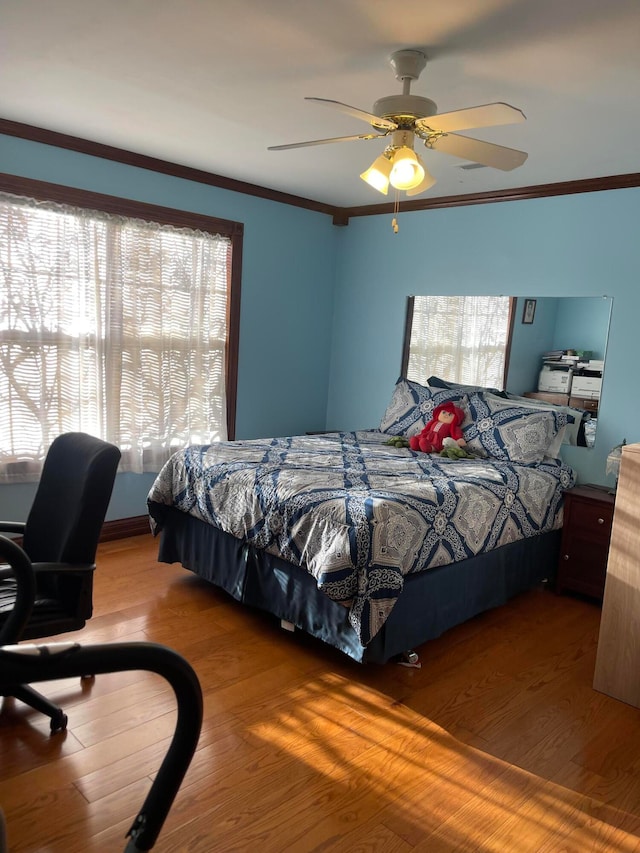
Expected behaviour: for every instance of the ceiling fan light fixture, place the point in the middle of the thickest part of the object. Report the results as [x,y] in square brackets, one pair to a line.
[408,117]
[427,182]
[407,171]
[377,175]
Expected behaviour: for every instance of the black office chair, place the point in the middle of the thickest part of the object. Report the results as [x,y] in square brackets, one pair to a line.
[60,537]
[30,663]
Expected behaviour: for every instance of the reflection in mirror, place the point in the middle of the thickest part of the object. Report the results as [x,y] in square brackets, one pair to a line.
[540,350]
[463,339]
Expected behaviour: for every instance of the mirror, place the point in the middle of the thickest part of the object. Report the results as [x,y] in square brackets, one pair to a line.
[554,351]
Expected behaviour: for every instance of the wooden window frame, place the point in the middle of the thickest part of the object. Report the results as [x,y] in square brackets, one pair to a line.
[167,216]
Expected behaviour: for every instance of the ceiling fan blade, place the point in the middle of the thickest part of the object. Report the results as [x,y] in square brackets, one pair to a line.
[486,153]
[372,119]
[323,141]
[488,115]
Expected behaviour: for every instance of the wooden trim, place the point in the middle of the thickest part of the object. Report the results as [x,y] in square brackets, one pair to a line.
[507,351]
[232,346]
[121,528]
[614,182]
[408,325]
[87,199]
[340,215]
[142,161]
[168,216]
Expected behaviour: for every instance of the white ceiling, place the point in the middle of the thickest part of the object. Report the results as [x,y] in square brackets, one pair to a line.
[211,84]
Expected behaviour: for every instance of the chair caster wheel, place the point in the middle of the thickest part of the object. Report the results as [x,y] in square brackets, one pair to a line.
[58,723]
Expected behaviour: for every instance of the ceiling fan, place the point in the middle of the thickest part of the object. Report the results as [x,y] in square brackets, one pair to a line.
[406,117]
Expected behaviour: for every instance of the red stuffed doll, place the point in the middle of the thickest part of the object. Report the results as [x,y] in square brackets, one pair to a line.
[444,424]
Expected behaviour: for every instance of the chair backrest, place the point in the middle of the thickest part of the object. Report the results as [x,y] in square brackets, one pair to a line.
[71,500]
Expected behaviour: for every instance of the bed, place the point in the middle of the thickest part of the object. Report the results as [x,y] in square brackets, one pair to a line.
[372,548]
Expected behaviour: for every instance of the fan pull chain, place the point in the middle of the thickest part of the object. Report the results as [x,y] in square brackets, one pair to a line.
[396,212]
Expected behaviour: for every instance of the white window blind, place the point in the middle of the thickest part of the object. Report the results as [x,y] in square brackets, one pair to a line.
[108,325]
[460,339]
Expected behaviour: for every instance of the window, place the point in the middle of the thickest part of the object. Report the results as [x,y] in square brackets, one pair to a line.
[462,339]
[113,324]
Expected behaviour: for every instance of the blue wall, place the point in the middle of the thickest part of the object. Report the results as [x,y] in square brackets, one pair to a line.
[323,308]
[582,321]
[288,280]
[566,245]
[530,340]
[573,322]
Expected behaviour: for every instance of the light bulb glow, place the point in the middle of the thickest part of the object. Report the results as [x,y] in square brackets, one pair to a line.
[427,182]
[377,175]
[407,171]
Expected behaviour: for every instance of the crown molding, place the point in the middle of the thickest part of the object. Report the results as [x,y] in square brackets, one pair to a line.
[587,185]
[340,215]
[153,164]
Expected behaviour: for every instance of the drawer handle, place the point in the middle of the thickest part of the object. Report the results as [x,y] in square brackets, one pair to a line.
[566,557]
[601,521]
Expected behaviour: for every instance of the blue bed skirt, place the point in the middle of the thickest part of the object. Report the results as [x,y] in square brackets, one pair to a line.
[431,602]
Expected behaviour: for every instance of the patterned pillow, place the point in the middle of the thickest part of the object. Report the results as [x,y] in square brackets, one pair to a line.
[576,416]
[436,382]
[511,433]
[412,406]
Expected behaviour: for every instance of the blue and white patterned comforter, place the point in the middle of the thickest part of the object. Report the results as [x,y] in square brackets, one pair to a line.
[357,514]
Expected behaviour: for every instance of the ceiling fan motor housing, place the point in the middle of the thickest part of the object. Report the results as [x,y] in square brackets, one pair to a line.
[408,63]
[404,109]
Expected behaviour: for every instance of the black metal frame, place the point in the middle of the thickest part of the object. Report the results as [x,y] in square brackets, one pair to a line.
[32,663]
[60,538]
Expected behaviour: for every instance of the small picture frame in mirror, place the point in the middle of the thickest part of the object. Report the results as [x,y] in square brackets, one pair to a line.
[529,311]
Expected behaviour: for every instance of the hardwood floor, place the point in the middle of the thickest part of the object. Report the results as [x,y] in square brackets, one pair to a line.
[498,742]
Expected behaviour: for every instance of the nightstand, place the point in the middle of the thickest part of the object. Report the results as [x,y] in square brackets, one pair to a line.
[586,531]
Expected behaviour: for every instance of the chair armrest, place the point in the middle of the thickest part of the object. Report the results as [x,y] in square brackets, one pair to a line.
[44,569]
[62,568]
[12,526]
[19,567]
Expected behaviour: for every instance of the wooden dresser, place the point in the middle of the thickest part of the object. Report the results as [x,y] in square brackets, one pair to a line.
[548,397]
[587,403]
[617,671]
[586,530]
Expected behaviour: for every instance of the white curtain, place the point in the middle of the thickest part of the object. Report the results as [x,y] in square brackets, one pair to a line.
[460,339]
[112,326]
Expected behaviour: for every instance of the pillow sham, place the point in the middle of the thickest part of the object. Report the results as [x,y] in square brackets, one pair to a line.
[553,451]
[572,431]
[436,382]
[512,433]
[412,405]
[564,434]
